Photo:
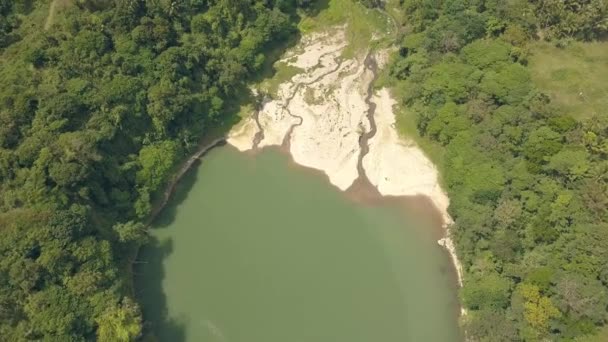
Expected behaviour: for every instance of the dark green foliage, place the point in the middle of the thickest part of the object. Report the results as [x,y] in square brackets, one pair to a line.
[95,113]
[528,183]
[586,19]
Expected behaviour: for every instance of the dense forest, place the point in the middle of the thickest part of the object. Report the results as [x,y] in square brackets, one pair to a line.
[528,182]
[96,109]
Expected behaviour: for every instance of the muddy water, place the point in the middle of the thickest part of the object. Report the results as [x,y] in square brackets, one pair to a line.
[255,249]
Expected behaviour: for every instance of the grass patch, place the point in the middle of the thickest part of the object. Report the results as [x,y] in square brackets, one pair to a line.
[362,24]
[309,96]
[283,72]
[406,126]
[574,77]
[601,336]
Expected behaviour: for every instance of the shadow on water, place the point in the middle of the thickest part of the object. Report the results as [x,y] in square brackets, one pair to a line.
[149,278]
[182,191]
[150,270]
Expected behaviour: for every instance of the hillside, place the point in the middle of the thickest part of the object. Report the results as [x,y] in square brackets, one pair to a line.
[99,100]
[508,98]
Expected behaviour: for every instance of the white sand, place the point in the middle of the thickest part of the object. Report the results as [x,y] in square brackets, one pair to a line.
[326,106]
[241,135]
[328,138]
[398,167]
[312,47]
[276,122]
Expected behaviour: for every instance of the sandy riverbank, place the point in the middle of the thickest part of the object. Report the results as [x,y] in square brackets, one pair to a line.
[320,116]
[398,167]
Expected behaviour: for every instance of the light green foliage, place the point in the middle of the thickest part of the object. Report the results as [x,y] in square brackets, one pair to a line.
[450,81]
[570,163]
[486,53]
[121,323]
[54,312]
[509,84]
[447,123]
[131,232]
[156,163]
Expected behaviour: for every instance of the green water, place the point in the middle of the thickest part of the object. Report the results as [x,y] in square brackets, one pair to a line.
[255,249]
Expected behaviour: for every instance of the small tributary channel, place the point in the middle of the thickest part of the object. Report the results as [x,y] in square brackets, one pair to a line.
[253,248]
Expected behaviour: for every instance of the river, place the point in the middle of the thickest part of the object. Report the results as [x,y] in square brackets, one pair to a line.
[253,248]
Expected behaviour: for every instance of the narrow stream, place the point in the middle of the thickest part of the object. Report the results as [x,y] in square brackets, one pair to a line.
[371,65]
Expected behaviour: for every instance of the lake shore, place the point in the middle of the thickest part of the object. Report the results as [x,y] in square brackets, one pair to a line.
[320,115]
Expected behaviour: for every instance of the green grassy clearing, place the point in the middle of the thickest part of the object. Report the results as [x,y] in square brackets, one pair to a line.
[362,24]
[283,72]
[574,77]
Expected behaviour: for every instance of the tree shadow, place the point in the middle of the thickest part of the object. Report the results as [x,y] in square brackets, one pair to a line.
[273,53]
[317,7]
[167,215]
[149,276]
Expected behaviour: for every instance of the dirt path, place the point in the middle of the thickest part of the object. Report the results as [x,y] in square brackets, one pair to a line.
[51,17]
[55,6]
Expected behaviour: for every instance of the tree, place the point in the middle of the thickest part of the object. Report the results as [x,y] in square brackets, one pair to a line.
[580,297]
[508,84]
[487,53]
[58,314]
[450,82]
[571,164]
[507,212]
[131,232]
[541,144]
[490,326]
[156,162]
[578,18]
[538,310]
[120,323]
[447,123]
[488,291]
